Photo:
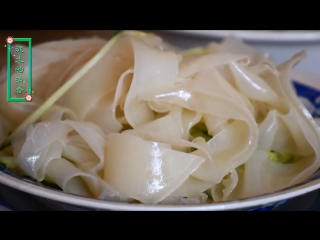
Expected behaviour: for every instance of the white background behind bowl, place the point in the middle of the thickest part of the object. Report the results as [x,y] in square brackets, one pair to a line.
[260,35]
[279,47]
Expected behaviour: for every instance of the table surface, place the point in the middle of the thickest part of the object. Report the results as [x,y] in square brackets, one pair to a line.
[301,203]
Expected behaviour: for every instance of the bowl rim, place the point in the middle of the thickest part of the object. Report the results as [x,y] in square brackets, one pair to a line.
[91,203]
[97,204]
[258,35]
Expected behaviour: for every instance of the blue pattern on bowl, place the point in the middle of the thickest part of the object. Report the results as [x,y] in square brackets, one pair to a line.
[266,208]
[309,96]
[4,204]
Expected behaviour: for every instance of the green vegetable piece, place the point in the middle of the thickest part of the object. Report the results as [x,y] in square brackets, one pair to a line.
[8,162]
[200,130]
[242,166]
[196,51]
[280,157]
[201,134]
[140,34]
[48,180]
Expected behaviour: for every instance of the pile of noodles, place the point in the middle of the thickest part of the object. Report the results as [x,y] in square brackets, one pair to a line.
[158,125]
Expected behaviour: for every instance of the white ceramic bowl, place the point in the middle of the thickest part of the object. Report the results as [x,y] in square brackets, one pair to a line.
[308,88]
[260,35]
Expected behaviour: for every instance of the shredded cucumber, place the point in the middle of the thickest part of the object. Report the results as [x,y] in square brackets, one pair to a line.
[280,157]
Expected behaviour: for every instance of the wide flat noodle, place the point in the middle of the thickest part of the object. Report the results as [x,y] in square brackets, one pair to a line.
[68,177]
[191,66]
[294,133]
[45,142]
[52,65]
[153,69]
[233,44]
[104,113]
[198,96]
[144,170]
[169,129]
[222,191]
[192,187]
[101,79]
